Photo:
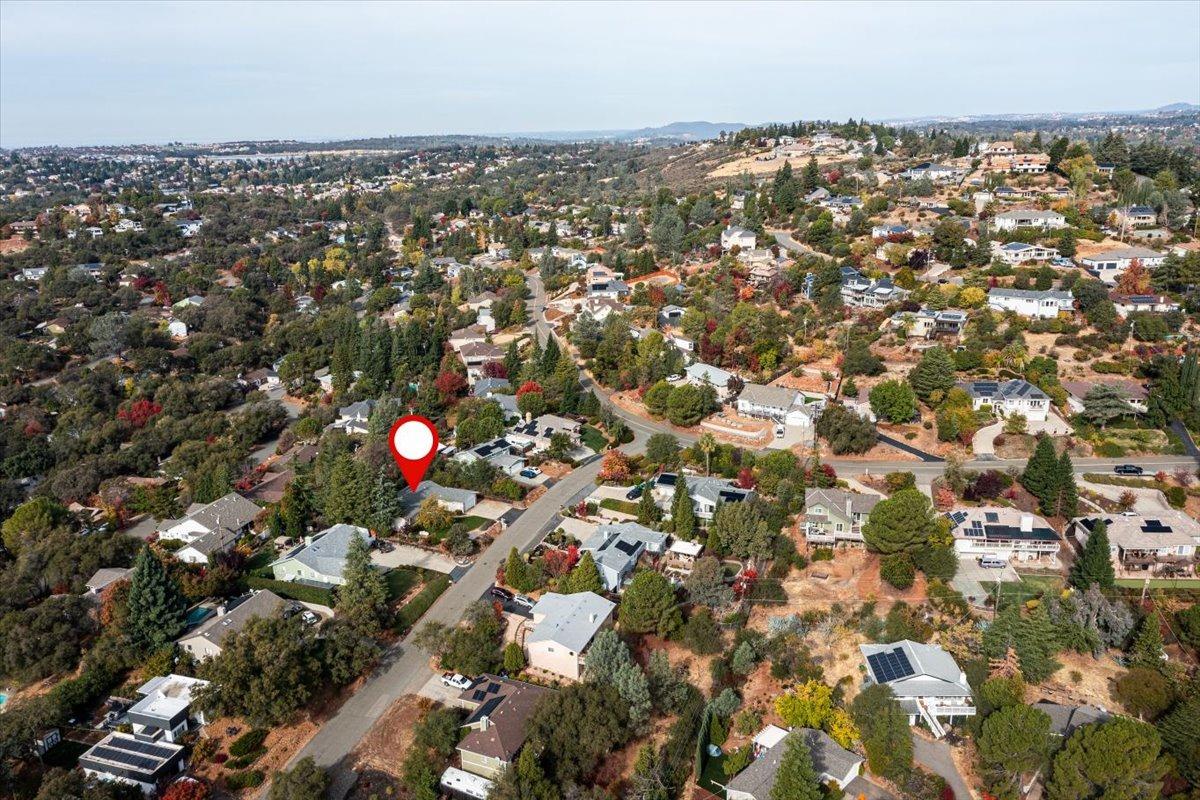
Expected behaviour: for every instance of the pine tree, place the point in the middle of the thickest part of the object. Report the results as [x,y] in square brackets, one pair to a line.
[1040,470]
[1147,648]
[683,515]
[796,778]
[1066,494]
[585,577]
[362,599]
[1094,565]
[157,608]
[648,511]
[516,572]
[934,373]
[385,504]
[1180,732]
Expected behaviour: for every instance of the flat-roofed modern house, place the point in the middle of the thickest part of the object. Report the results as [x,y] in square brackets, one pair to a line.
[929,324]
[321,559]
[165,708]
[498,711]
[1021,253]
[1145,543]
[207,640]
[129,759]
[1009,397]
[1030,302]
[835,516]
[616,549]
[1028,218]
[831,762]
[1007,533]
[1110,265]
[562,627]
[926,680]
[706,493]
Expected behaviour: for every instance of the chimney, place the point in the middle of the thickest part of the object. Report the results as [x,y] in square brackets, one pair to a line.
[592,617]
[528,417]
[221,611]
[1026,523]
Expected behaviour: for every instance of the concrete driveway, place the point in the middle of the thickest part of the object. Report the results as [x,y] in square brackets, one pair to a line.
[1148,500]
[970,579]
[405,555]
[935,757]
[489,509]
[983,443]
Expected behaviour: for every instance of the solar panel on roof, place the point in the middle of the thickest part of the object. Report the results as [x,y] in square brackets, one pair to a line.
[146,748]
[891,665]
[126,758]
[493,687]
[991,516]
[478,695]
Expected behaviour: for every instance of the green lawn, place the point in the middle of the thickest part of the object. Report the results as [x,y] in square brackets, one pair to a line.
[593,438]
[259,561]
[713,774]
[400,580]
[1029,587]
[472,522]
[624,506]
[1160,583]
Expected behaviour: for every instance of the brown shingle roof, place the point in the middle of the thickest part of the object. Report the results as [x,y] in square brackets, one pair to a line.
[503,707]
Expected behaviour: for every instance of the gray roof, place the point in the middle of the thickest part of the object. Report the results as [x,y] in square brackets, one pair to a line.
[707,373]
[105,576]
[263,603]
[838,498]
[231,511]
[935,672]
[619,546]
[485,385]
[714,490]
[1065,719]
[214,542]
[1123,252]
[830,761]
[570,620]
[1004,390]
[1029,214]
[326,553]
[450,494]
[1031,294]
[770,396]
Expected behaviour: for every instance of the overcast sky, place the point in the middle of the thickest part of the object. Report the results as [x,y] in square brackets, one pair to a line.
[103,73]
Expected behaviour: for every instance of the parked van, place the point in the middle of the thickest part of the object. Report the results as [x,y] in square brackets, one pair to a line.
[993,562]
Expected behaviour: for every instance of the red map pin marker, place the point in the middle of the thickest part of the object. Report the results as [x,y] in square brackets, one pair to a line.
[414,442]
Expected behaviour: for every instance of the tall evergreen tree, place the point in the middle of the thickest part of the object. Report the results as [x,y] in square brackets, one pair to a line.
[385,504]
[796,778]
[1094,564]
[682,514]
[585,577]
[1066,494]
[1147,648]
[648,511]
[362,599]
[157,608]
[933,376]
[1040,471]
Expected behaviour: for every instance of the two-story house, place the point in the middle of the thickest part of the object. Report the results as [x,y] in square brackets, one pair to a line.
[1110,265]
[1028,218]
[498,711]
[1031,303]
[926,680]
[1145,543]
[561,629]
[165,708]
[836,517]
[616,549]
[1005,533]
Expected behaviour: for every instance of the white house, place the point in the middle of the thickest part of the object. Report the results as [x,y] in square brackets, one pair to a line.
[125,758]
[1145,543]
[1009,397]
[1031,303]
[536,434]
[1135,216]
[926,680]
[1007,533]
[232,513]
[706,493]
[778,403]
[701,374]
[1020,253]
[1126,304]
[1109,265]
[734,236]
[562,628]
[208,639]
[165,708]
[1028,218]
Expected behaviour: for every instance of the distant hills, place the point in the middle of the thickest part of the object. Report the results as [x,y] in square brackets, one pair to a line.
[1173,109]
[675,131]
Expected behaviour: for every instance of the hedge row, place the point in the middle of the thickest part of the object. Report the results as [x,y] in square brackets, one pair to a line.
[293,591]
[414,609]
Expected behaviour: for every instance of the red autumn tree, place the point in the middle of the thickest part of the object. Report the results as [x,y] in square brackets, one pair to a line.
[495,369]
[1135,279]
[139,412]
[450,385]
[529,386]
[186,789]
[745,478]
[559,562]
[615,466]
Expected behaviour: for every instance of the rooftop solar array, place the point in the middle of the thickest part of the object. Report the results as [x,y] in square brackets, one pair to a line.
[1155,526]
[890,665]
[132,753]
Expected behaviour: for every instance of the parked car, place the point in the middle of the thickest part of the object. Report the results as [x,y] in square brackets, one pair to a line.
[635,492]
[523,601]
[780,431]
[1128,469]
[501,593]
[456,681]
[310,618]
[384,546]
[530,472]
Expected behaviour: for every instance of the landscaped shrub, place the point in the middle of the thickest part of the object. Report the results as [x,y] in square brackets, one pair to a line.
[241,762]
[244,780]
[1176,496]
[248,742]
[407,616]
[822,554]
[898,570]
[1110,450]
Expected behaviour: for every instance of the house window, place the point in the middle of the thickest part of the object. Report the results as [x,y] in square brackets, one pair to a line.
[549,649]
[837,526]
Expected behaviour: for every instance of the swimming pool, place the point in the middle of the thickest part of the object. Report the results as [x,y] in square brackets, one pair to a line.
[196,615]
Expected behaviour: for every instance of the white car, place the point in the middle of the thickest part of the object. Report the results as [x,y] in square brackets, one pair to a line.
[523,601]
[456,681]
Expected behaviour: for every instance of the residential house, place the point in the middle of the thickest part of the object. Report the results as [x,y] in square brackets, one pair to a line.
[1029,163]
[125,758]
[262,378]
[778,403]
[324,379]
[1145,543]
[1001,532]
[928,324]
[1109,265]
[616,549]
[832,763]
[31,274]
[890,232]
[1134,216]
[671,315]
[165,708]
[456,501]
[475,355]
[535,435]
[1021,253]
[500,453]
[926,680]
[701,374]
[562,627]
[353,418]
[499,391]
[1106,168]
[232,513]
[836,517]
[321,559]
[999,148]
[734,236]
[1127,304]
[1135,393]
[206,640]
[938,173]
[1031,303]
[472,334]
[203,549]
[498,711]
[860,291]
[603,282]
[105,577]
[1009,397]
[706,493]
[1028,218]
